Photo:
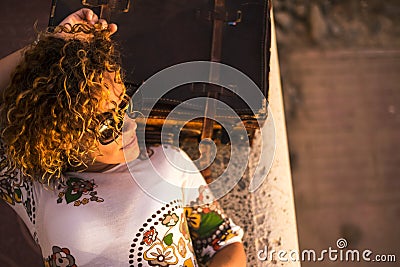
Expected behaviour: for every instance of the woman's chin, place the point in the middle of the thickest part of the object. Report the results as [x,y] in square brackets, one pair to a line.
[131,153]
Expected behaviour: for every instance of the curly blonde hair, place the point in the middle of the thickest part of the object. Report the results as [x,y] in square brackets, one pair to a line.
[51,111]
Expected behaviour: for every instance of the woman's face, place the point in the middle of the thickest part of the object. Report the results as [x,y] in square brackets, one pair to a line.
[125,147]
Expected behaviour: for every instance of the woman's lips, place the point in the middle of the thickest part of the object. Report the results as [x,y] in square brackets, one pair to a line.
[131,143]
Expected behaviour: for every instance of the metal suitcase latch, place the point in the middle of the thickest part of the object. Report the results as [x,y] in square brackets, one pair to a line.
[230,18]
[108,6]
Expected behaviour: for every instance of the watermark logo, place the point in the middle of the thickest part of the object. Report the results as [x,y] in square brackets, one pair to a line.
[341,243]
[341,253]
[231,79]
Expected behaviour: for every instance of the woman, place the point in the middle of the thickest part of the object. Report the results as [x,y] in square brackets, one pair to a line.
[69,162]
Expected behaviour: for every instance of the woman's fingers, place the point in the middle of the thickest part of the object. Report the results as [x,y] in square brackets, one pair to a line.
[86,15]
[105,26]
[81,16]
[112,28]
[89,15]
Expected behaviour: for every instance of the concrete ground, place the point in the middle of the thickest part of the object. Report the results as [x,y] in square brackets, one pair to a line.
[343,121]
[339,63]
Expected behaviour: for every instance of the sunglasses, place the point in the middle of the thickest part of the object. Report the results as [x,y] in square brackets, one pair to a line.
[109,129]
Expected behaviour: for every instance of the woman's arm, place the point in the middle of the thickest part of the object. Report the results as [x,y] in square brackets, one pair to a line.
[9,63]
[7,66]
[230,256]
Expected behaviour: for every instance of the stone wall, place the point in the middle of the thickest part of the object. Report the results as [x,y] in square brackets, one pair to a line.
[336,23]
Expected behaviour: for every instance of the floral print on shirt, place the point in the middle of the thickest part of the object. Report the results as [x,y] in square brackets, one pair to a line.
[61,257]
[164,239]
[209,227]
[79,191]
[15,190]
[181,236]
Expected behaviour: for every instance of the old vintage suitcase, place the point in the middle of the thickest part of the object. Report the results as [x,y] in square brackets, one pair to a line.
[155,35]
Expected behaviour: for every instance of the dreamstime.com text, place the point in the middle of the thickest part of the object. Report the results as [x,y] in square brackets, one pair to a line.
[331,254]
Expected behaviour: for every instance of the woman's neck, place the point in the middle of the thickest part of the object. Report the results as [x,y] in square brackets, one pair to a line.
[99,167]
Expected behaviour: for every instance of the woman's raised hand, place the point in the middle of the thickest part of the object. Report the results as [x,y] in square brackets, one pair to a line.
[86,15]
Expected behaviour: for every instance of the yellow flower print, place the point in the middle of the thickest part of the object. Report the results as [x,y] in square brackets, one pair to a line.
[216,243]
[7,198]
[18,195]
[193,218]
[182,247]
[228,235]
[158,255]
[170,219]
[183,227]
[188,263]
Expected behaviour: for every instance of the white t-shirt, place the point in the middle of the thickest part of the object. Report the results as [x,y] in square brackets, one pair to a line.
[135,214]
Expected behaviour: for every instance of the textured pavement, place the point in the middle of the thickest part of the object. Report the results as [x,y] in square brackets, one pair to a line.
[343,120]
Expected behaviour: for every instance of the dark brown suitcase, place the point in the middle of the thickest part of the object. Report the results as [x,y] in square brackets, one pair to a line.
[155,35]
